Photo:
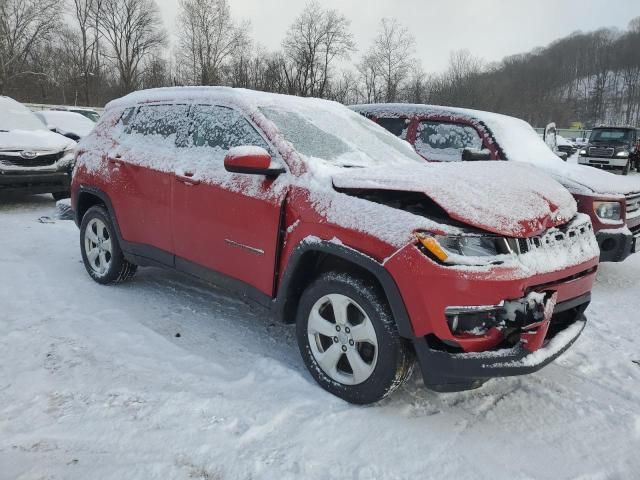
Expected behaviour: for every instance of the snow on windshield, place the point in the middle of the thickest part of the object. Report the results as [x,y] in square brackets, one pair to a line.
[339,137]
[15,116]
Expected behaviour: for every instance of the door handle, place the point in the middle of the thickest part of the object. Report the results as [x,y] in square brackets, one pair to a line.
[115,161]
[187,179]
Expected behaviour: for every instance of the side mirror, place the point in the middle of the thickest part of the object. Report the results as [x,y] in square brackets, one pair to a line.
[471,154]
[250,160]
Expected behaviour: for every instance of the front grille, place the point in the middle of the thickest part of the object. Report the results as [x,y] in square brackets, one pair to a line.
[633,205]
[552,238]
[601,152]
[40,160]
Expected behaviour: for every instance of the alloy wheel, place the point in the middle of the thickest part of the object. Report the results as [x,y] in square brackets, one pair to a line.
[342,338]
[98,246]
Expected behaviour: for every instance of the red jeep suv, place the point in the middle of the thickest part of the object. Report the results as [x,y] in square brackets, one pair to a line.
[449,134]
[338,226]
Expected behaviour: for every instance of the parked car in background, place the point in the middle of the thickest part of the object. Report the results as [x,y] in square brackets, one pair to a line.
[90,113]
[375,254]
[70,124]
[455,134]
[580,141]
[612,148]
[566,146]
[32,158]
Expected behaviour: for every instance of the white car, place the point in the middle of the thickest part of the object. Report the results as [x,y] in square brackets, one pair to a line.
[70,124]
[90,113]
[32,158]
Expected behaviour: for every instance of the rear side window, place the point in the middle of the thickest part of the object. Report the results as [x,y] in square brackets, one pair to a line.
[159,120]
[445,141]
[397,126]
[222,128]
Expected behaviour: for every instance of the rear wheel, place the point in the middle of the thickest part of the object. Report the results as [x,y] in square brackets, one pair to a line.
[101,253]
[349,341]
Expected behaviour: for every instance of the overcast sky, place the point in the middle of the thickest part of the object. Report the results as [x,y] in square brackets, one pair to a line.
[490,29]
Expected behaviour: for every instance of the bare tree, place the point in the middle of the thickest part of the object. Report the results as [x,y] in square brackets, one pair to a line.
[133,31]
[85,14]
[316,38]
[24,26]
[208,37]
[392,55]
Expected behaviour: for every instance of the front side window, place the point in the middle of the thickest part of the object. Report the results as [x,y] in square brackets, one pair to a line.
[397,126]
[159,121]
[222,128]
[445,142]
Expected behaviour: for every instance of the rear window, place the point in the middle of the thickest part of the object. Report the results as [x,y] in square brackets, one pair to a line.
[397,126]
[445,142]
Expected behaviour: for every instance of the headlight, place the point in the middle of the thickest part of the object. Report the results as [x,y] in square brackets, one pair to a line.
[463,249]
[608,210]
[69,151]
[623,154]
[583,152]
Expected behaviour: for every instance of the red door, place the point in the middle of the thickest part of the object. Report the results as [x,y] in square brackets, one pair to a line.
[224,221]
[143,165]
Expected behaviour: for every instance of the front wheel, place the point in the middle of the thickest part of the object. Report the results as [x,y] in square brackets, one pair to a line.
[101,253]
[349,341]
[627,168]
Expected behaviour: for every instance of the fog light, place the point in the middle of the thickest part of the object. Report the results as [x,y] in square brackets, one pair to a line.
[472,320]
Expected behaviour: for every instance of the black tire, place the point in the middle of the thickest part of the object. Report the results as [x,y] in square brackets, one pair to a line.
[119,269]
[627,168]
[60,195]
[395,358]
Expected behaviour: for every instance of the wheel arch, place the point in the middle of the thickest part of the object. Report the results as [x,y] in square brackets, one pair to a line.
[310,259]
[86,198]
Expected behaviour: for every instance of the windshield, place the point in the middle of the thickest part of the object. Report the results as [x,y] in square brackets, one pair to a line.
[615,135]
[339,137]
[15,116]
[90,114]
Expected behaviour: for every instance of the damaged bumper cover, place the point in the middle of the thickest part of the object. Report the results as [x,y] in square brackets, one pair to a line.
[543,331]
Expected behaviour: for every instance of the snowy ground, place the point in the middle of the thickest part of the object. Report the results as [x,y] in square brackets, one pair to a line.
[94,383]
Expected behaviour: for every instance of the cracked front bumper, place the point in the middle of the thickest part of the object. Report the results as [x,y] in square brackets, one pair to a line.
[539,344]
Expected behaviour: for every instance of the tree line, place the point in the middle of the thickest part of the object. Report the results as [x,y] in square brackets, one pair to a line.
[87,52]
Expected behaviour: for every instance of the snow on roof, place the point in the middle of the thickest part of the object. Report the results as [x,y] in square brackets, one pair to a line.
[249,99]
[68,122]
[518,141]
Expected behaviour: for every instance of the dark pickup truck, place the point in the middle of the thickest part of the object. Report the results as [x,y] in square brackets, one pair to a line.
[612,148]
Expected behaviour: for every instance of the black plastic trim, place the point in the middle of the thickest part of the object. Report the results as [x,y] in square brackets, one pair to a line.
[450,372]
[46,182]
[376,269]
[623,244]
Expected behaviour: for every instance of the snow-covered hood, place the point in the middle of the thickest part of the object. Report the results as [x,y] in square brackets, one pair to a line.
[36,140]
[504,198]
[579,177]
